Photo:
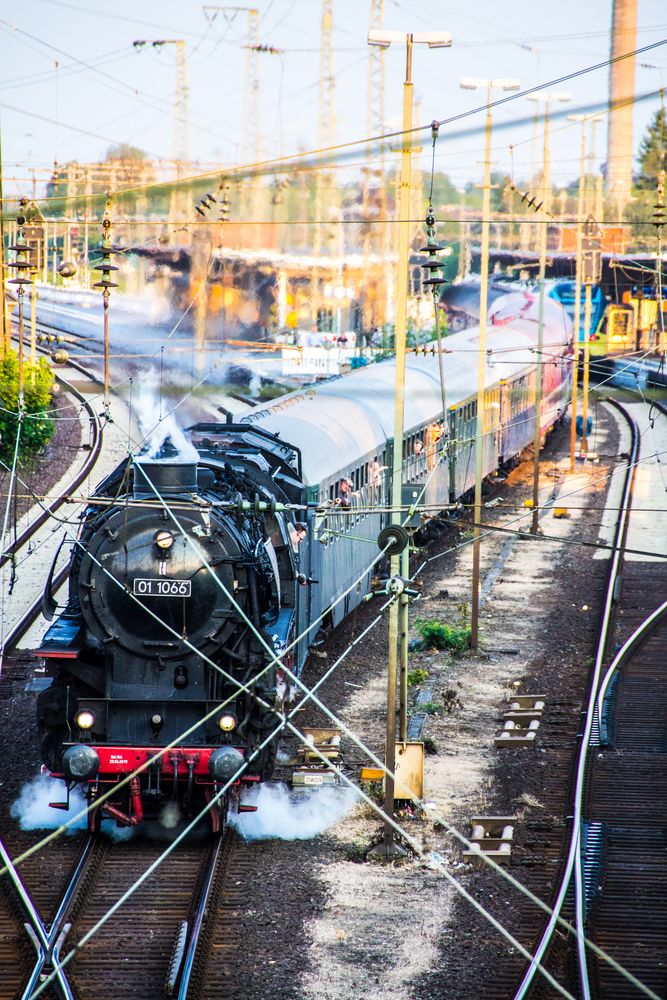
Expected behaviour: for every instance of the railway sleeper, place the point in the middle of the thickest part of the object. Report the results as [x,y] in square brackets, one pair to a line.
[492,837]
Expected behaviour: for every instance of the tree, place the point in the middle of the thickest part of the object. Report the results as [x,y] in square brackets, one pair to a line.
[37,427]
[124,151]
[652,152]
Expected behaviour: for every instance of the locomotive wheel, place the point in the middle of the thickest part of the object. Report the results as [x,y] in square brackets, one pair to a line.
[395,537]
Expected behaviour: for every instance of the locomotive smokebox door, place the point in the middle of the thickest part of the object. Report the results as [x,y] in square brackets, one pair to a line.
[143,581]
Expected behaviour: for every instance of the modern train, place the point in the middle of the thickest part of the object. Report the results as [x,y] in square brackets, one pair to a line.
[192,573]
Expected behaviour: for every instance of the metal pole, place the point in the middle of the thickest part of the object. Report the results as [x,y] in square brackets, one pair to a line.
[105,299]
[403,646]
[20,347]
[45,261]
[399,407]
[86,258]
[587,358]
[6,324]
[33,325]
[540,324]
[577,300]
[481,378]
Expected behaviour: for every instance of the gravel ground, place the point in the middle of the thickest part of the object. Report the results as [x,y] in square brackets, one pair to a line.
[330,924]
[370,931]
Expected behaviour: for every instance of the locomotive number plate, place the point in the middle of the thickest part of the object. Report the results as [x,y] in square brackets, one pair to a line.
[162,587]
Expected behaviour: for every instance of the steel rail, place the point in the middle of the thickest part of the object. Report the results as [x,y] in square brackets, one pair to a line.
[48,941]
[95,447]
[573,863]
[20,627]
[181,974]
[636,640]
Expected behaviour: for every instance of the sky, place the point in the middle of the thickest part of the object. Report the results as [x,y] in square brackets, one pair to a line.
[72,83]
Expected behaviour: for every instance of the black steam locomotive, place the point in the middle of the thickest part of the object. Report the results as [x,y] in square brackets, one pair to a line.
[150,645]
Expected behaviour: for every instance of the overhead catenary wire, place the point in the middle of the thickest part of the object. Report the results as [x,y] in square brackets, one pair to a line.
[12,479]
[290,161]
[306,689]
[362,746]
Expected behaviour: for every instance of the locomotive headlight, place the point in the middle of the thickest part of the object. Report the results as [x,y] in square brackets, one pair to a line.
[85,719]
[227,722]
[163,539]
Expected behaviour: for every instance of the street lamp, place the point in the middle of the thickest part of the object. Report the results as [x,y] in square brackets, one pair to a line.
[581,207]
[547,99]
[383,39]
[476,83]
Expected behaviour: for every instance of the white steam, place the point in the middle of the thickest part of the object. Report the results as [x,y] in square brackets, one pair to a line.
[33,811]
[157,423]
[284,815]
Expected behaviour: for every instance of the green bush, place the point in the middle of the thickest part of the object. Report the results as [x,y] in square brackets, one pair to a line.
[440,635]
[37,427]
[431,708]
[417,677]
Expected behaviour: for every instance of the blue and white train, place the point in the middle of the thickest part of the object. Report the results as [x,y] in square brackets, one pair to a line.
[190,576]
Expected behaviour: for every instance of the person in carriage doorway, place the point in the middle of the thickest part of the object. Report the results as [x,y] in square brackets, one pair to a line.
[344,498]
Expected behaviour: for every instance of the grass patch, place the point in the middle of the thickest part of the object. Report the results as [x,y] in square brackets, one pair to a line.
[417,677]
[439,635]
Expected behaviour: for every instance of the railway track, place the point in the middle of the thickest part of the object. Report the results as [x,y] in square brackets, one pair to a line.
[31,531]
[605,868]
[620,903]
[150,947]
[59,893]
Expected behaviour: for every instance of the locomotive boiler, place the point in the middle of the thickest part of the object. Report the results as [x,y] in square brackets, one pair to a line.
[182,586]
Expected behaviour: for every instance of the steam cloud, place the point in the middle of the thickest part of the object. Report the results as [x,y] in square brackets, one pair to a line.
[285,816]
[156,426]
[32,808]
[33,812]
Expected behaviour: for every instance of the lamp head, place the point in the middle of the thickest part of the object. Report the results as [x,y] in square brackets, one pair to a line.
[434,39]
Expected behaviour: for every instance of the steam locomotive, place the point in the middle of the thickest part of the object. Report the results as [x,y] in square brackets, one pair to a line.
[149,647]
[187,574]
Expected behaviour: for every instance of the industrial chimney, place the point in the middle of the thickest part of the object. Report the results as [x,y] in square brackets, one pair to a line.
[621,108]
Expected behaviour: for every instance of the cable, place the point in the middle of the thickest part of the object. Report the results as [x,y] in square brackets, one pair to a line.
[6,519]
[252,169]
[290,726]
